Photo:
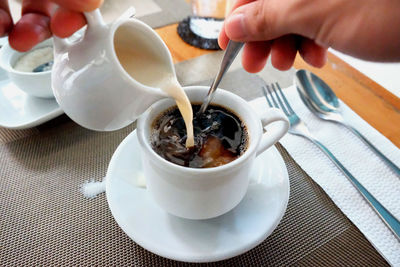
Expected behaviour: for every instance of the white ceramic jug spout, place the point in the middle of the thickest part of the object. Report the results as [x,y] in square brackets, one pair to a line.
[91,85]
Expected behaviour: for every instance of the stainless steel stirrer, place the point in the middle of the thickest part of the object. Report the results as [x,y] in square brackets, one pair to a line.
[230,54]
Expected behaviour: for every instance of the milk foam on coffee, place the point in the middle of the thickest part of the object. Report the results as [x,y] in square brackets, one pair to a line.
[147,67]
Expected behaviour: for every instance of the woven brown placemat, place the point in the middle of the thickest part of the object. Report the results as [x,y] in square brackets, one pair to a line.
[46,221]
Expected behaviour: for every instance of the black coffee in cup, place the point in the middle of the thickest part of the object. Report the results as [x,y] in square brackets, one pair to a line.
[220,137]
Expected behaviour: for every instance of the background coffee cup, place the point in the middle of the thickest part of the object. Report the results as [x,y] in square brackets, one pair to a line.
[32,83]
[206,193]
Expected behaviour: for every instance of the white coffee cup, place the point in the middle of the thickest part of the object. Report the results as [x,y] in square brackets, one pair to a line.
[194,193]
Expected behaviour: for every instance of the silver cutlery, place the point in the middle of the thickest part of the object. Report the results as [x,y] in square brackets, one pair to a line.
[322,101]
[298,127]
[230,54]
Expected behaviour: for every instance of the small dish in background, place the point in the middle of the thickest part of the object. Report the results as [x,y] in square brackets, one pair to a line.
[21,111]
[36,84]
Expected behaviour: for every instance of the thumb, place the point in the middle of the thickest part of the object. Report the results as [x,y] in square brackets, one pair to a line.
[261,20]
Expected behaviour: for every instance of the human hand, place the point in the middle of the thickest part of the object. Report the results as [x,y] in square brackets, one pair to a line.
[42,18]
[362,28]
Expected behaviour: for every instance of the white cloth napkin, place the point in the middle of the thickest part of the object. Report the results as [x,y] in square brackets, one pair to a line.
[372,172]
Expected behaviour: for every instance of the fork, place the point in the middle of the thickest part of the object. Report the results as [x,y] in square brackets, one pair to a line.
[298,127]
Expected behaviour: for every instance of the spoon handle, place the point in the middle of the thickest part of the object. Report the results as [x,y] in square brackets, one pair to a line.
[383,157]
[230,54]
[384,214]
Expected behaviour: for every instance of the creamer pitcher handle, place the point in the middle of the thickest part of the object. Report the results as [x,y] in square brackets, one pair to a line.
[94,19]
[60,45]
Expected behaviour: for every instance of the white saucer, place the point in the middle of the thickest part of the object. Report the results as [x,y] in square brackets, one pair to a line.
[19,110]
[226,236]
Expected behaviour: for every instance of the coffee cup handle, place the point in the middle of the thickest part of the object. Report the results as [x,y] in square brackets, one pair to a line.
[279,125]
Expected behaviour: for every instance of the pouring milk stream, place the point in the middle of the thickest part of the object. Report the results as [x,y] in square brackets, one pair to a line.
[109,77]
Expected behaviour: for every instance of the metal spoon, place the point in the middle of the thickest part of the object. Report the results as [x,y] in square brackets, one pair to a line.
[323,102]
[230,54]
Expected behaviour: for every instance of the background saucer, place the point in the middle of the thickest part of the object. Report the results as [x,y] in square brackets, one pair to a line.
[216,239]
[19,110]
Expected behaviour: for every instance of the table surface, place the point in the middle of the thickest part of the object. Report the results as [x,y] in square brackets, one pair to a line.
[372,102]
[41,167]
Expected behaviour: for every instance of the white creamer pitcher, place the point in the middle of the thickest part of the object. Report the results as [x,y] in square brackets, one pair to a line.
[89,82]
